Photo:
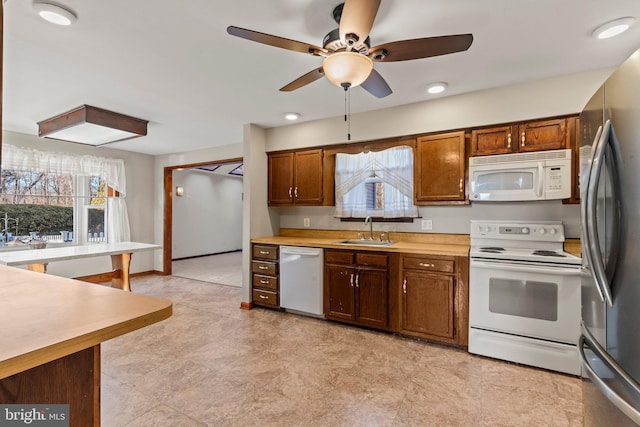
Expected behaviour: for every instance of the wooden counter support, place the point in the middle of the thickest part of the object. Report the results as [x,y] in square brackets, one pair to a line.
[50,334]
[120,264]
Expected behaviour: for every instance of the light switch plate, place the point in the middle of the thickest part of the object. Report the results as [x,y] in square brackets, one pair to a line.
[427,224]
[307,222]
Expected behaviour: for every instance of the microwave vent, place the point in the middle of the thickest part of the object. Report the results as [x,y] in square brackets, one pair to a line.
[520,157]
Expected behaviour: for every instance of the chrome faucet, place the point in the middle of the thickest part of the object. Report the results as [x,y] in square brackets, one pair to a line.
[369,220]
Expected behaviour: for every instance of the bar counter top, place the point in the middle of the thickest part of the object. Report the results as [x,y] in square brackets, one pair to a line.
[44,317]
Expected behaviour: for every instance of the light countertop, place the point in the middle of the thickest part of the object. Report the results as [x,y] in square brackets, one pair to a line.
[43,317]
[60,253]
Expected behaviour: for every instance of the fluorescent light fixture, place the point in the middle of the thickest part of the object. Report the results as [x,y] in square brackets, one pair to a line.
[54,13]
[613,28]
[291,116]
[179,191]
[439,87]
[92,126]
[347,69]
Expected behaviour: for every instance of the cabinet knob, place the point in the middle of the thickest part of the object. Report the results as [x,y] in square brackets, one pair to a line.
[264,252]
[351,280]
[424,264]
[264,282]
[295,193]
[461,185]
[357,278]
[509,140]
[522,139]
[290,194]
[263,267]
[264,297]
[404,286]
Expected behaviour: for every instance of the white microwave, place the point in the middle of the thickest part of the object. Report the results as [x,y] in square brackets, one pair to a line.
[541,175]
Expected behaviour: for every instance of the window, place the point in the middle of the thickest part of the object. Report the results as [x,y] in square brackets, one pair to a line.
[379,184]
[55,207]
[64,198]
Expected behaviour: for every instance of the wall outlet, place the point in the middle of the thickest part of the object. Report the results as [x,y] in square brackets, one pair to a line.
[427,224]
[307,222]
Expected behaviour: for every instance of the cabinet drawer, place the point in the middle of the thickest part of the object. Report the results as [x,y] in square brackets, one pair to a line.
[428,264]
[269,298]
[374,260]
[265,252]
[264,267]
[335,257]
[265,282]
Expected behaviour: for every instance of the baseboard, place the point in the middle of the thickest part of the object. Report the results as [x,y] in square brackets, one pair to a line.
[106,277]
[201,256]
[246,305]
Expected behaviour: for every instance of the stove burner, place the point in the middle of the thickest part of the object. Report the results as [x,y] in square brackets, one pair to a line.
[492,250]
[548,253]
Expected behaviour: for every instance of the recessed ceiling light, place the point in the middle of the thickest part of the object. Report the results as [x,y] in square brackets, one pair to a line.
[439,87]
[291,116]
[54,13]
[613,28]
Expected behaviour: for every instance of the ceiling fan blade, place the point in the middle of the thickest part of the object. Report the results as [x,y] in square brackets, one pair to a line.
[304,80]
[357,19]
[276,41]
[376,85]
[420,48]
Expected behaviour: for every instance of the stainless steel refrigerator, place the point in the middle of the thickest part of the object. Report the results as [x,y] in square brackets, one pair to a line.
[610,210]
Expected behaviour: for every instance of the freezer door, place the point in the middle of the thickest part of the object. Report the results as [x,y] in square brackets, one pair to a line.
[612,396]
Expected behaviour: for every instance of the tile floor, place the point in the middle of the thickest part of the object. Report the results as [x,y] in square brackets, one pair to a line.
[212,364]
[225,269]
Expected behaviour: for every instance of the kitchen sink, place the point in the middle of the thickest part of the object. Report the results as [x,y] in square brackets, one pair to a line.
[363,242]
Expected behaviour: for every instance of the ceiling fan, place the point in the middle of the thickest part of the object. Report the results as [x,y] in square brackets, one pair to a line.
[347,52]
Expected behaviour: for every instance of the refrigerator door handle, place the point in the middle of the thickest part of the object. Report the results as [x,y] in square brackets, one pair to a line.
[597,263]
[584,207]
[587,339]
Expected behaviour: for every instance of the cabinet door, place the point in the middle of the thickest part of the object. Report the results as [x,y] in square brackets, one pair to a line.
[372,297]
[340,282]
[496,140]
[308,177]
[439,168]
[281,179]
[543,135]
[428,304]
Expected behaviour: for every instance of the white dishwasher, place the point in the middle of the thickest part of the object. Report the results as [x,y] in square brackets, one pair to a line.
[301,280]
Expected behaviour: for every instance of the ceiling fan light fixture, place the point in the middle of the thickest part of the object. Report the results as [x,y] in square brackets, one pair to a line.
[54,13]
[347,68]
[613,28]
[438,87]
[291,116]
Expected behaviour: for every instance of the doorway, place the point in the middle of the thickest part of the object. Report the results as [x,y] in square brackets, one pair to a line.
[228,166]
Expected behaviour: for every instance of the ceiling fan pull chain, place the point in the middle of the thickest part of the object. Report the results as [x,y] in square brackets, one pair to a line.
[347,110]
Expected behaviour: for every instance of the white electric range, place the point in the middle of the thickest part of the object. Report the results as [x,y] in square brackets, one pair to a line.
[524,294]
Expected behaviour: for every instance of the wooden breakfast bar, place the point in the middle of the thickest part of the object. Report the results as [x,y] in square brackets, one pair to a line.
[50,334]
[37,259]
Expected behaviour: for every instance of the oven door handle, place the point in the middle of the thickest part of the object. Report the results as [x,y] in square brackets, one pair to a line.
[526,269]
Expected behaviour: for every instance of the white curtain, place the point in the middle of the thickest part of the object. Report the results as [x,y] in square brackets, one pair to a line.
[112,171]
[393,166]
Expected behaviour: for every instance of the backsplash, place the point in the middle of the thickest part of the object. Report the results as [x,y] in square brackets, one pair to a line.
[445,219]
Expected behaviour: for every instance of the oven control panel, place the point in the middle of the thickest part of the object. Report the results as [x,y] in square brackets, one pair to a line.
[550,231]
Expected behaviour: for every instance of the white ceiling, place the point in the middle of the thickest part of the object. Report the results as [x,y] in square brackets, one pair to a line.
[172,62]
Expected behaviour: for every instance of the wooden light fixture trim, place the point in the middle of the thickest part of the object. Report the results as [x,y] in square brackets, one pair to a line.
[87,114]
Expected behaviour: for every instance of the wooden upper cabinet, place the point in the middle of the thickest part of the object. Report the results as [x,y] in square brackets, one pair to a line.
[522,137]
[543,135]
[308,177]
[497,140]
[439,173]
[295,178]
[281,178]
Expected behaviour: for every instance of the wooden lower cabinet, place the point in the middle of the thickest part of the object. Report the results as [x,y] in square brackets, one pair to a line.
[357,288]
[434,298]
[265,275]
